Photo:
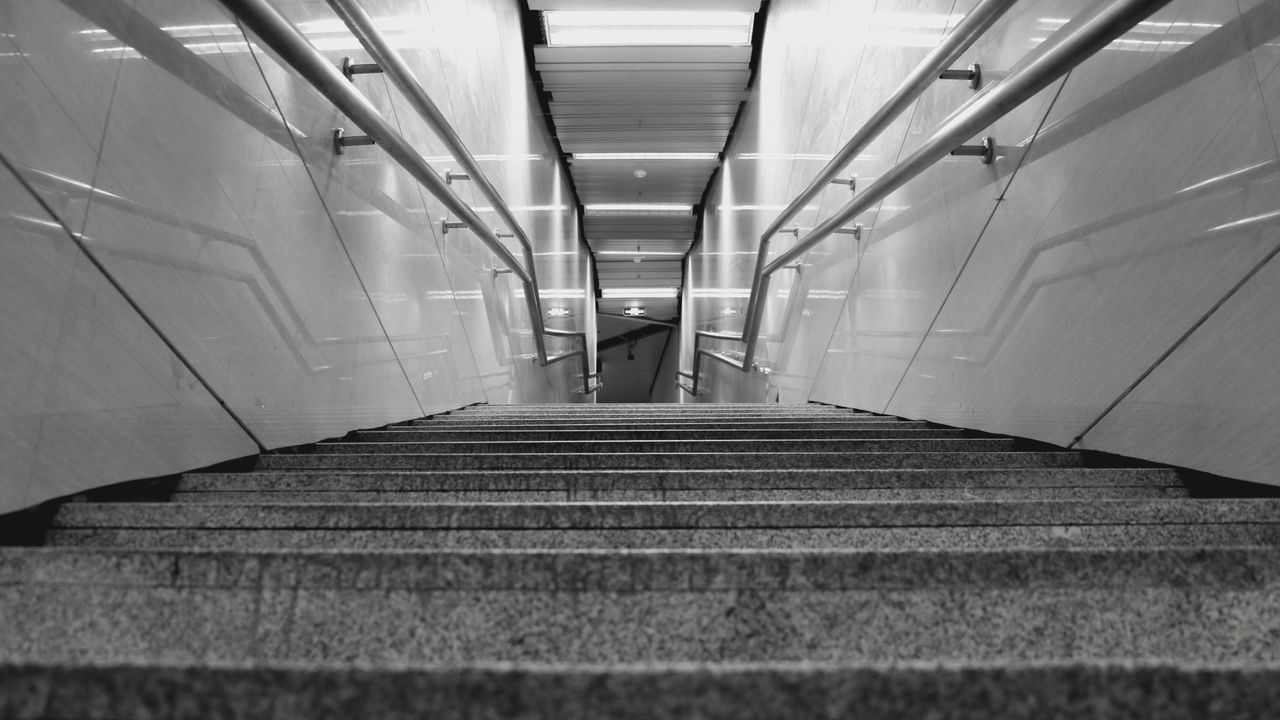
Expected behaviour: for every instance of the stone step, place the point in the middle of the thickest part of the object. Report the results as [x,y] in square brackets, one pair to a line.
[703,460]
[605,424]
[601,411]
[646,607]
[646,433]
[694,515]
[645,417]
[709,495]
[655,409]
[1192,535]
[756,691]
[534,447]
[633,571]
[1096,479]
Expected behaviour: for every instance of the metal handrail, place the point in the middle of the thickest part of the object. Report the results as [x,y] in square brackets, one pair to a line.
[587,377]
[275,30]
[977,22]
[393,64]
[1066,49]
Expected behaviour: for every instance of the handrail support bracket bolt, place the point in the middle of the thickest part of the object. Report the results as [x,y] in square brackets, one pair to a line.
[342,140]
[973,74]
[986,151]
[351,69]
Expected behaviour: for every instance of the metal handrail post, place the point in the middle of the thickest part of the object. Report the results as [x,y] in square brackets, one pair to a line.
[587,375]
[977,22]
[1075,45]
[394,66]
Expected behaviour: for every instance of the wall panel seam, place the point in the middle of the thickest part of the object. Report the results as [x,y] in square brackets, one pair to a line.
[972,248]
[132,303]
[333,223]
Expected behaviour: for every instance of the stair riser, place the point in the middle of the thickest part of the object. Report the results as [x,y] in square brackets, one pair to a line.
[795,495]
[656,409]
[581,516]
[950,625]
[600,461]
[682,422]
[667,446]
[626,571]
[647,434]
[623,480]
[812,692]
[970,538]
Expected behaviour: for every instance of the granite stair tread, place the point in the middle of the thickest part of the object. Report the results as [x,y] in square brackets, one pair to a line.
[715,691]
[737,479]
[653,561]
[684,495]
[534,447]
[588,515]
[684,460]
[506,435]
[581,607]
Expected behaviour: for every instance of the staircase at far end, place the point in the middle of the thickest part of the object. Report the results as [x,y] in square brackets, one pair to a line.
[652,561]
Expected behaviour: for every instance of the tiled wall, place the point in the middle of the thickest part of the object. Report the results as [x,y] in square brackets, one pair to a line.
[189,271]
[1108,282]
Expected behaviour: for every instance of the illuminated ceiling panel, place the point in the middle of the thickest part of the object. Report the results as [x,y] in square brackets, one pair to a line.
[643,95]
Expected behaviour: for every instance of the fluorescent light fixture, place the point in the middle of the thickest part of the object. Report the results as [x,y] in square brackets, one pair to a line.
[655,253]
[647,27]
[646,156]
[625,293]
[639,208]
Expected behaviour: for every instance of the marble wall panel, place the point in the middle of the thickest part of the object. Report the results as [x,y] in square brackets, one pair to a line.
[313,293]
[91,393]
[1056,294]
[1113,239]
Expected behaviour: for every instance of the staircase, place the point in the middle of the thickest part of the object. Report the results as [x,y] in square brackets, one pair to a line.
[652,561]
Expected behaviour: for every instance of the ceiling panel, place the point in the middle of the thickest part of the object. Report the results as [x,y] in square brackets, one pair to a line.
[642,99]
[631,227]
[606,78]
[717,5]
[647,245]
[668,95]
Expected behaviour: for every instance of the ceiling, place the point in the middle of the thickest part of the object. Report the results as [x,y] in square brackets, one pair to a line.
[646,100]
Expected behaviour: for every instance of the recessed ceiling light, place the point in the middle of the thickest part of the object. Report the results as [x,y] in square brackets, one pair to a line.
[640,208]
[651,27]
[625,293]
[643,254]
[646,156]
[640,173]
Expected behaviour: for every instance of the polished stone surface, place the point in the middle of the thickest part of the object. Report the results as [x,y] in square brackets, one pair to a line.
[313,294]
[627,515]
[1103,282]
[1070,691]
[598,460]
[901,538]
[738,479]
